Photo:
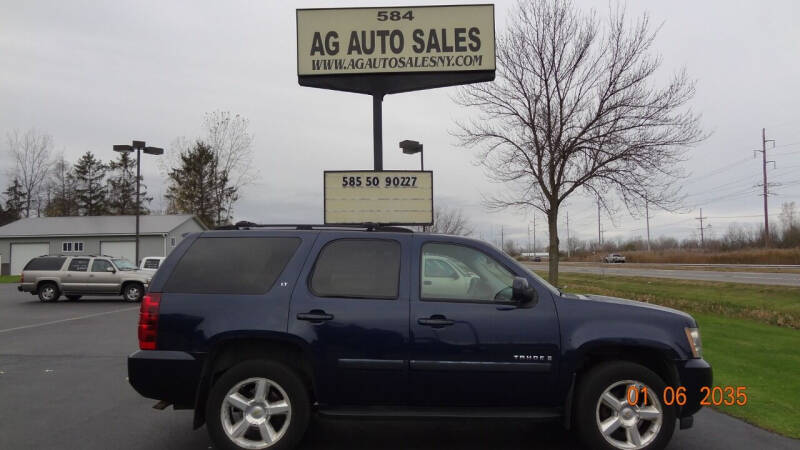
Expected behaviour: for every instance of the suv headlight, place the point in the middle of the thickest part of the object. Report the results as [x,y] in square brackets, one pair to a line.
[693,335]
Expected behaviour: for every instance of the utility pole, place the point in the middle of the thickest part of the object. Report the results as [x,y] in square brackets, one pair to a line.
[764,161]
[599,233]
[647,215]
[529,237]
[702,228]
[569,247]
[534,234]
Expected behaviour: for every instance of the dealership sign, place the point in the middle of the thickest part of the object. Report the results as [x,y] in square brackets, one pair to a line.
[385,197]
[396,39]
[379,51]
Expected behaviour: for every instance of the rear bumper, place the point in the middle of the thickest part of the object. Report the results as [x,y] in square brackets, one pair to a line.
[26,287]
[694,374]
[165,375]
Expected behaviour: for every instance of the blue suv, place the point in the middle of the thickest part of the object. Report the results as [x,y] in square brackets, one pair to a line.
[259,327]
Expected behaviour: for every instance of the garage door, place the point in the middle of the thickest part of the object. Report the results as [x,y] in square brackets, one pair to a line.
[22,253]
[125,249]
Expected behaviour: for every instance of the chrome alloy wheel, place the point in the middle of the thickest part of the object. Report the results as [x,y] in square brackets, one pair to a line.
[132,293]
[627,426]
[256,413]
[48,293]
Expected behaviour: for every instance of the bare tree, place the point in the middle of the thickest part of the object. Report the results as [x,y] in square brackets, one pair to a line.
[575,109]
[450,221]
[62,189]
[789,215]
[231,142]
[31,154]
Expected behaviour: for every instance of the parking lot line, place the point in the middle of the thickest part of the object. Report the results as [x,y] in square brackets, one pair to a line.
[52,322]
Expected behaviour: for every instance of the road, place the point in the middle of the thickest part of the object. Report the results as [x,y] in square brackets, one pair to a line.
[770,278]
[63,385]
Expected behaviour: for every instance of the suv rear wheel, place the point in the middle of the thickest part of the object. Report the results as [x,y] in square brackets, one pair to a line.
[48,292]
[607,417]
[133,292]
[257,404]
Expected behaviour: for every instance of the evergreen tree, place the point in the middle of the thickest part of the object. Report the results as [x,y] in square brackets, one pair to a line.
[16,202]
[192,186]
[122,187]
[62,195]
[90,175]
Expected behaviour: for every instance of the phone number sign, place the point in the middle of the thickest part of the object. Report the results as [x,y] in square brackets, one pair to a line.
[385,197]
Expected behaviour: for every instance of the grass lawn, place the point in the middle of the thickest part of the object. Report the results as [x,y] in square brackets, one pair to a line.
[774,305]
[9,278]
[765,359]
[741,338]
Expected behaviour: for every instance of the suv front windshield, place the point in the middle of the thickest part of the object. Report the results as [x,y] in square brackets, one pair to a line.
[124,264]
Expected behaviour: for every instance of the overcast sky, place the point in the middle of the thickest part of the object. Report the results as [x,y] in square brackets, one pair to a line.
[95,74]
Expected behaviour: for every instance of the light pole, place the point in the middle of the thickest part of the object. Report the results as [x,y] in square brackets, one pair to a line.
[139,146]
[411,148]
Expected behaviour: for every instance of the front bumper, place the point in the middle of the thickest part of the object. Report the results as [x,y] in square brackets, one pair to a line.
[694,374]
[165,375]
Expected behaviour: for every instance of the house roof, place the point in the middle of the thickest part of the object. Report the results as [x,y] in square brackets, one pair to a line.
[94,225]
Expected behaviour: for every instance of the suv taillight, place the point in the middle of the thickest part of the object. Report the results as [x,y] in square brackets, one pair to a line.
[22,277]
[148,321]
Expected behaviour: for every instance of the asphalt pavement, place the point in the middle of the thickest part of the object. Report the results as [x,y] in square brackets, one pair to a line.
[771,278]
[63,385]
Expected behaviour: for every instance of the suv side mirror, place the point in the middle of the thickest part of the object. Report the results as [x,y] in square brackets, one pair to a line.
[111,269]
[522,292]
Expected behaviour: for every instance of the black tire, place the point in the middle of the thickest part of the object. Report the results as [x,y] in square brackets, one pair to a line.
[48,292]
[73,298]
[276,373]
[133,292]
[594,384]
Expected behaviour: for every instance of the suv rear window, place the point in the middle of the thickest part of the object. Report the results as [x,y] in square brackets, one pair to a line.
[231,265]
[48,263]
[357,268]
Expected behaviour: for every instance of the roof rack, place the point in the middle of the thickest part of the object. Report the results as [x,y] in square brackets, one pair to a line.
[245,225]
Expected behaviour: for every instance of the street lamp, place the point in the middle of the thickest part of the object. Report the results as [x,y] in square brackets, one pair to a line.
[411,148]
[139,146]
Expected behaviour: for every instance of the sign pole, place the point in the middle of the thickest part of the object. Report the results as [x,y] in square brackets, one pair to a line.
[377,130]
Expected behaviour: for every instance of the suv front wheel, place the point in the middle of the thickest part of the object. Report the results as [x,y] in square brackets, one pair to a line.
[257,404]
[611,411]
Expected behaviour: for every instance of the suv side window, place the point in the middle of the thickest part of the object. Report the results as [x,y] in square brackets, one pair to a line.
[45,263]
[101,265]
[151,263]
[231,265]
[357,268]
[481,277]
[79,265]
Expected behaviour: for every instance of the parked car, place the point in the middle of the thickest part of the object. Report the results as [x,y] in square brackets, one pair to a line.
[150,264]
[445,276]
[537,259]
[256,329]
[614,258]
[49,277]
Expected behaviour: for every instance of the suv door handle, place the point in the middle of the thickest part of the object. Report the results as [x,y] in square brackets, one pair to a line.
[436,321]
[316,316]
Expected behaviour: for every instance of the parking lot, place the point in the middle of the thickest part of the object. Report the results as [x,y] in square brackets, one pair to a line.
[63,385]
